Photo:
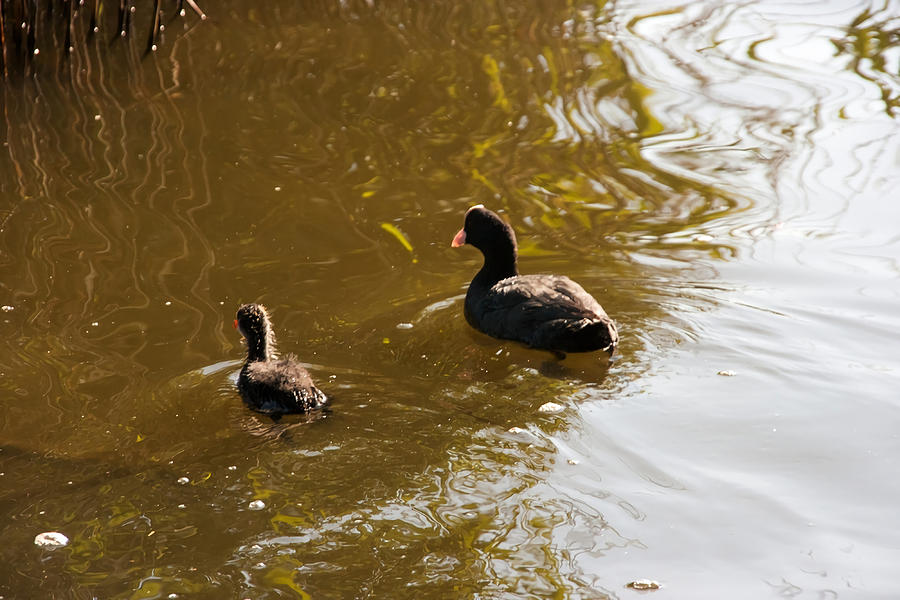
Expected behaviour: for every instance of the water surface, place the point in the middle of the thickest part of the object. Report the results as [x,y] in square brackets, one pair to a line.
[721,176]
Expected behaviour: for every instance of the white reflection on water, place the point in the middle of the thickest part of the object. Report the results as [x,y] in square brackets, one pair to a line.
[781,479]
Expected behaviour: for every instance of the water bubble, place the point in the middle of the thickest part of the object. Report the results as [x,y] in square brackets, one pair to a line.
[257,505]
[183,480]
[550,408]
[404,325]
[51,539]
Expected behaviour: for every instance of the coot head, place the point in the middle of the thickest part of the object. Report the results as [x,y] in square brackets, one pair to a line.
[252,321]
[489,233]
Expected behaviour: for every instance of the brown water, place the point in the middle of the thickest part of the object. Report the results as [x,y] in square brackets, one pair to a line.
[722,176]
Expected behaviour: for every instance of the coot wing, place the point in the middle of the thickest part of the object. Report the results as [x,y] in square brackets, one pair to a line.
[279,386]
[543,311]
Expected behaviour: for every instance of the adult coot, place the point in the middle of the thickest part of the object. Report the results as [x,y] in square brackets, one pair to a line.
[268,384]
[548,312]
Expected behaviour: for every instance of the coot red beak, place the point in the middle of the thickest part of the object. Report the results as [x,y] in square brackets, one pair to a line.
[235,323]
[459,240]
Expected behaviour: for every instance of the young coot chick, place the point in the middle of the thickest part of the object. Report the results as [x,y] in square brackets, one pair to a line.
[547,312]
[268,384]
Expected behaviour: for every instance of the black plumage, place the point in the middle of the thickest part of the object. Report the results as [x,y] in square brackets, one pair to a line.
[547,312]
[269,384]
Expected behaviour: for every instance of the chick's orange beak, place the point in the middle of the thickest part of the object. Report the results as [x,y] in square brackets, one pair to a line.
[235,323]
[459,239]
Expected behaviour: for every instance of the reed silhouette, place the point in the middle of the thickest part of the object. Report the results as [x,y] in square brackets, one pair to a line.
[28,28]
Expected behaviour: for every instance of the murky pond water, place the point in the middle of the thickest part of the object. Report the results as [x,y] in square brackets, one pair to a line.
[722,176]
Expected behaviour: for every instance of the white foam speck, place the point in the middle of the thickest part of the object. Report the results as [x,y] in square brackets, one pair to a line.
[51,539]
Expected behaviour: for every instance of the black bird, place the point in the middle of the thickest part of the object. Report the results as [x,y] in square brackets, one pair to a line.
[269,384]
[547,312]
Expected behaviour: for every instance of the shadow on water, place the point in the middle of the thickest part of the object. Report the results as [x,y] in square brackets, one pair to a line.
[318,157]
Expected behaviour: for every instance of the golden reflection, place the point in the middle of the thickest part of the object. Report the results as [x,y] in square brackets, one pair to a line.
[871,44]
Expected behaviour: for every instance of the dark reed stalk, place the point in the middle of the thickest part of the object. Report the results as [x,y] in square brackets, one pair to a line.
[154,27]
[124,17]
[31,35]
[129,15]
[94,26]
[20,27]
[3,37]
[69,46]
